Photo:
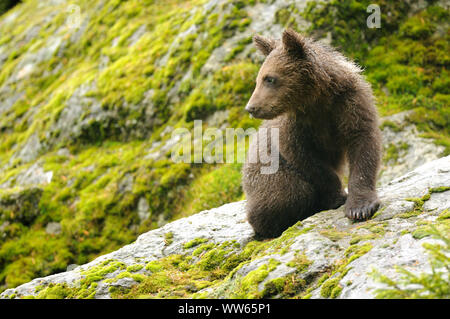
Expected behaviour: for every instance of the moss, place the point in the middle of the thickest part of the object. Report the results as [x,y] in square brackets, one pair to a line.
[333,234]
[248,285]
[54,292]
[203,248]
[419,202]
[216,264]
[213,188]
[439,189]
[134,268]
[329,284]
[96,215]
[241,45]
[98,272]
[126,274]
[286,16]
[427,230]
[357,238]
[445,214]
[376,227]
[212,259]
[154,266]
[273,287]
[168,238]
[194,242]
[322,279]
[330,288]
[391,153]
[392,125]
[300,262]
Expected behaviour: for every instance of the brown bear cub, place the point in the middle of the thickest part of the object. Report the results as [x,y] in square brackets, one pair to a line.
[325,115]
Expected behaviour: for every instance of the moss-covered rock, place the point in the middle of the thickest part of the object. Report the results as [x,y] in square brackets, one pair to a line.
[213,254]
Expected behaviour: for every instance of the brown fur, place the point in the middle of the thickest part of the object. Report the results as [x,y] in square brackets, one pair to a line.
[325,113]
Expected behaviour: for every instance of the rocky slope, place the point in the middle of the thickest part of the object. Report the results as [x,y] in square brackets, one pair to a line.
[90,95]
[213,253]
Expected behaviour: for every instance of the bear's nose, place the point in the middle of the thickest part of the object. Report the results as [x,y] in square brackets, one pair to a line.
[250,108]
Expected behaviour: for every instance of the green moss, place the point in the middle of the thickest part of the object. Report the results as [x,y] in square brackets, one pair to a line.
[421,232]
[54,292]
[330,288]
[392,125]
[96,215]
[213,188]
[333,234]
[154,266]
[168,238]
[357,238]
[391,153]
[329,284]
[419,202]
[439,189]
[300,262]
[286,16]
[216,264]
[248,285]
[273,287]
[98,272]
[194,242]
[445,214]
[134,268]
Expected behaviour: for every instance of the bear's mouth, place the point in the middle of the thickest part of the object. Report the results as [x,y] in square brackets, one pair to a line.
[263,115]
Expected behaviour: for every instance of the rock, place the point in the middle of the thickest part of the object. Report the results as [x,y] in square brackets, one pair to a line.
[27,65]
[325,243]
[126,184]
[20,205]
[34,175]
[143,209]
[30,150]
[53,228]
[404,149]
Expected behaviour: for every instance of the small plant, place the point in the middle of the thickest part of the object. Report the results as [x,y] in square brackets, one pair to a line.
[434,285]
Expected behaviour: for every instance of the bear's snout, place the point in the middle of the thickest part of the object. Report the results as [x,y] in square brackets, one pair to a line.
[250,108]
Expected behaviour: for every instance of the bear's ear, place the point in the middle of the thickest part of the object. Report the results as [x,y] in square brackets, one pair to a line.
[263,44]
[294,43]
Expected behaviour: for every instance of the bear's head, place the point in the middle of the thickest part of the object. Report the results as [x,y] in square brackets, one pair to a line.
[285,81]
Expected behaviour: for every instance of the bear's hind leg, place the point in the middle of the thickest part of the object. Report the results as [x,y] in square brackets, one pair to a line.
[277,201]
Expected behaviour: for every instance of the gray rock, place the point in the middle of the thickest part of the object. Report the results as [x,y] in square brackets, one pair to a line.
[143,209]
[53,228]
[31,60]
[30,150]
[412,150]
[126,184]
[24,202]
[34,175]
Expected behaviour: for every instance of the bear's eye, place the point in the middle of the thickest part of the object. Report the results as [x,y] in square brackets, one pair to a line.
[269,79]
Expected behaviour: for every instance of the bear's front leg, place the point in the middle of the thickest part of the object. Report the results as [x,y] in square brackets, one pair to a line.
[364,160]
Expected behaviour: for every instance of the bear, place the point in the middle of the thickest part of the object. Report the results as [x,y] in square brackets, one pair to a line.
[324,111]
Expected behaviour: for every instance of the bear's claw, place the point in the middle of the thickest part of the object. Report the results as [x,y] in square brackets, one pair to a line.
[362,212]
